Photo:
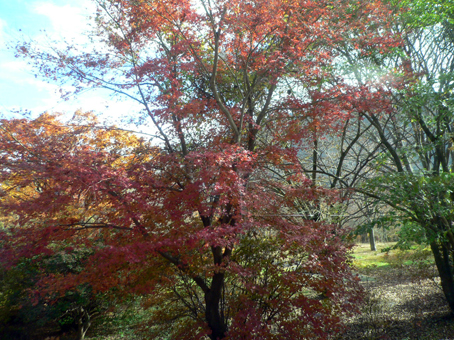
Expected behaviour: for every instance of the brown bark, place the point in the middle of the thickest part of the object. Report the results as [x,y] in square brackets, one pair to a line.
[372,239]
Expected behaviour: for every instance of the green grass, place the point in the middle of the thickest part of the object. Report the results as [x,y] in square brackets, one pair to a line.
[364,258]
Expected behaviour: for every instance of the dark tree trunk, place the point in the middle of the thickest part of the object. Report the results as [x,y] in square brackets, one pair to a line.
[213,313]
[372,239]
[444,264]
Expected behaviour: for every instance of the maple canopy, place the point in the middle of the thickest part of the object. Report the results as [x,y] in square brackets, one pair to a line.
[213,217]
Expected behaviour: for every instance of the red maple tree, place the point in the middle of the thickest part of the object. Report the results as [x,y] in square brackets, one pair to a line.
[216,222]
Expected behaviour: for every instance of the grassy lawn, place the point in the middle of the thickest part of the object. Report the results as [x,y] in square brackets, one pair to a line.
[364,257]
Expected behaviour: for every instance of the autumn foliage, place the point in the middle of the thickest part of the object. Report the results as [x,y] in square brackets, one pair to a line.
[212,220]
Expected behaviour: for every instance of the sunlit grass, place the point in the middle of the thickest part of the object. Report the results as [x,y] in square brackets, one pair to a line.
[364,257]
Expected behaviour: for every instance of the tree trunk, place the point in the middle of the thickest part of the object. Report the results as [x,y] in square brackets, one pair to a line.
[372,239]
[83,323]
[440,251]
[213,314]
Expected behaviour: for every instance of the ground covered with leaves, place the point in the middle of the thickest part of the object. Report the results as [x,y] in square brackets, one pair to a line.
[403,298]
[403,301]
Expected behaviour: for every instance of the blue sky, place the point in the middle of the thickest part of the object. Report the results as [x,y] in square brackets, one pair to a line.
[19,89]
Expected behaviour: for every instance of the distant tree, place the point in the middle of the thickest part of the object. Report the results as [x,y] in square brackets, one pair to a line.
[413,175]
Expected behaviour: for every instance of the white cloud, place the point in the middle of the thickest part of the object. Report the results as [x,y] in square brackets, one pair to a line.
[15,70]
[94,100]
[67,21]
[2,32]
[18,73]
[64,20]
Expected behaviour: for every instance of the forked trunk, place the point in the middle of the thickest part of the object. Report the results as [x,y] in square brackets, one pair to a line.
[444,264]
[83,323]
